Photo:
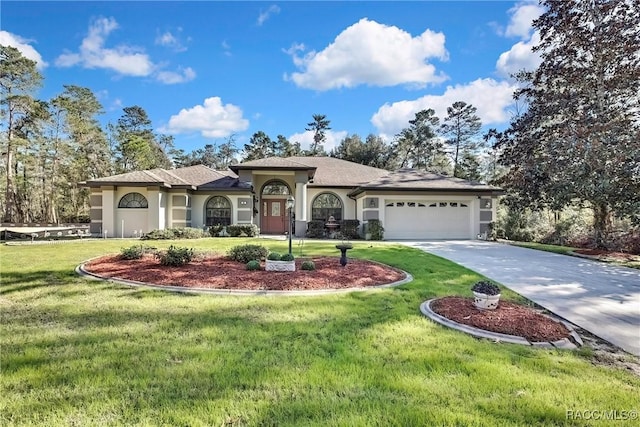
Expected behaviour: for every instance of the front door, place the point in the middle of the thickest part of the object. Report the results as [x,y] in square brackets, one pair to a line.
[275,218]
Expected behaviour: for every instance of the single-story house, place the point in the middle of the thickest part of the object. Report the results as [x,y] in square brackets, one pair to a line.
[411,204]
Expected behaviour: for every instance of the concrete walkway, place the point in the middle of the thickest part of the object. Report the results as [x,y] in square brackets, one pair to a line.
[602,298]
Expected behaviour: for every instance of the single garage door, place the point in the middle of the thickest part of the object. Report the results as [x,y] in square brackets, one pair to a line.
[419,219]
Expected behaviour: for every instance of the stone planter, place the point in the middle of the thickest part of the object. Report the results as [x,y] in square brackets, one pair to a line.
[485,302]
[280,265]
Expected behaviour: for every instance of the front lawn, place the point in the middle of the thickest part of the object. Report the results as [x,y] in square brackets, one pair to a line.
[82,352]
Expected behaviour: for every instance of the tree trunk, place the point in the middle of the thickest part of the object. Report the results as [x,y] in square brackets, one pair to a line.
[601,224]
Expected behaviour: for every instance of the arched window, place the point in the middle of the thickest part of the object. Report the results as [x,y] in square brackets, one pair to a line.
[275,188]
[326,205]
[218,211]
[133,201]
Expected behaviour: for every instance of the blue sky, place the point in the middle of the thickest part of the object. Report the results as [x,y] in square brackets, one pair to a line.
[205,70]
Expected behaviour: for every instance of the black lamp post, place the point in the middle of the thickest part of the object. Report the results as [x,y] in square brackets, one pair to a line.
[291,202]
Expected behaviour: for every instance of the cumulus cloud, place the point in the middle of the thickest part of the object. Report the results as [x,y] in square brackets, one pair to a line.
[492,99]
[521,20]
[170,40]
[212,119]
[373,54]
[24,46]
[172,77]
[124,60]
[265,15]
[332,140]
[520,56]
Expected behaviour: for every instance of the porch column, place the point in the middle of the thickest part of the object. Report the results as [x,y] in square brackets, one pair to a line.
[153,211]
[301,204]
[108,211]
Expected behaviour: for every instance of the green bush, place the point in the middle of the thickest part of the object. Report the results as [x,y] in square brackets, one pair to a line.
[253,265]
[287,257]
[308,265]
[274,256]
[315,229]
[175,233]
[248,230]
[374,227]
[215,230]
[134,252]
[175,256]
[246,253]
[349,228]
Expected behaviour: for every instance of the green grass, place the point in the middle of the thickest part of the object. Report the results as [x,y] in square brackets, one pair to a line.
[564,250]
[82,352]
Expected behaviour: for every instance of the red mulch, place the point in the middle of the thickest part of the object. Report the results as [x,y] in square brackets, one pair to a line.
[604,254]
[508,318]
[219,272]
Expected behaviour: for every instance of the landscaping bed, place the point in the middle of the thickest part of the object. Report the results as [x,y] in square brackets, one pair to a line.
[219,272]
[508,318]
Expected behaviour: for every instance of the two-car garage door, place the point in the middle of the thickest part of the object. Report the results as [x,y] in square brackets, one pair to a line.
[420,219]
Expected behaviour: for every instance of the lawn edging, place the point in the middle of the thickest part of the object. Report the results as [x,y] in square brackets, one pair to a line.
[497,337]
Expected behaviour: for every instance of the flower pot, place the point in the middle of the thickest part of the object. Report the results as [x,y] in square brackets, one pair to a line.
[280,265]
[486,302]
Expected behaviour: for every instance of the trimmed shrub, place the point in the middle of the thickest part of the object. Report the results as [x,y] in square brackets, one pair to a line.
[349,228]
[308,265]
[253,265]
[315,229]
[175,233]
[134,252]
[175,256]
[274,256]
[248,230]
[487,288]
[215,230]
[287,257]
[246,253]
[374,227]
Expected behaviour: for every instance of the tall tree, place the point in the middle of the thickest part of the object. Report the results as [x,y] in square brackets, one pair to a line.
[318,126]
[136,145]
[286,149]
[260,146]
[19,78]
[579,140]
[418,146]
[460,127]
[371,152]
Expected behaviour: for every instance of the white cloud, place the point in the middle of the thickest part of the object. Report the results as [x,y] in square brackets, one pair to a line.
[265,15]
[124,60]
[28,51]
[490,97]
[522,17]
[373,54]
[212,119]
[519,57]
[172,77]
[170,40]
[332,140]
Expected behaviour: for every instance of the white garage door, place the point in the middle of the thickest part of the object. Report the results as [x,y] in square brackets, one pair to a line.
[421,219]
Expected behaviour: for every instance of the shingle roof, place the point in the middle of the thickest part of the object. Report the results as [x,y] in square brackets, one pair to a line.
[412,179]
[199,176]
[325,171]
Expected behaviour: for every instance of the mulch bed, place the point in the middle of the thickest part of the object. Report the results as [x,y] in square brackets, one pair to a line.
[219,272]
[508,318]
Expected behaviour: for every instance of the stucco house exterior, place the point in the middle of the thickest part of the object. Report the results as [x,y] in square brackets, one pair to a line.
[411,204]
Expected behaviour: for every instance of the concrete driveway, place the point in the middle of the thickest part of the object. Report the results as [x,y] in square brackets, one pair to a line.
[601,298]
